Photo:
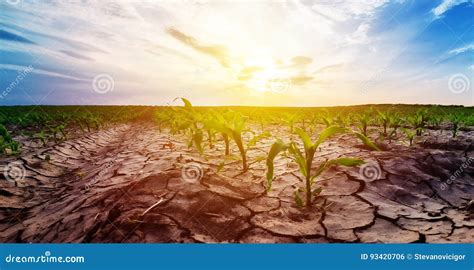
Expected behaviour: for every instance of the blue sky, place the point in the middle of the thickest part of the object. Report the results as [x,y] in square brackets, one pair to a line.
[283,53]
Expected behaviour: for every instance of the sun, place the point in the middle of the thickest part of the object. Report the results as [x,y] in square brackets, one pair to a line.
[260,81]
[267,75]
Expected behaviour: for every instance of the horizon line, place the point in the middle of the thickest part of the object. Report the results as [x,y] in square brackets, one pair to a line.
[243,106]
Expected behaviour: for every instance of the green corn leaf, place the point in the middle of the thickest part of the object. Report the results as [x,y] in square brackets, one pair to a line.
[349,162]
[257,138]
[298,200]
[197,139]
[367,141]
[299,158]
[237,136]
[327,121]
[329,132]
[304,138]
[275,149]
[317,191]
[221,166]
[238,122]
[320,170]
[187,103]
[408,132]
[260,158]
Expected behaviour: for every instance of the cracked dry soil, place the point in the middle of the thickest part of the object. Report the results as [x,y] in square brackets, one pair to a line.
[124,184]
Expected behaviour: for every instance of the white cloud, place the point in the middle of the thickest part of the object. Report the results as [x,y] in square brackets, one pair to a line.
[462,49]
[360,36]
[447,5]
[339,10]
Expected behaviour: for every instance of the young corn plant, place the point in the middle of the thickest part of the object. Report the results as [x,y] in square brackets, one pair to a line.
[188,120]
[210,128]
[305,161]
[261,122]
[410,134]
[7,144]
[221,125]
[162,118]
[42,137]
[435,122]
[290,120]
[196,136]
[418,121]
[327,120]
[456,121]
[362,122]
[394,123]
[342,120]
[313,122]
[384,120]
[59,133]
[235,130]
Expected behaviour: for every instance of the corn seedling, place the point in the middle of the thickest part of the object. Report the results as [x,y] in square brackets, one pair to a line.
[55,131]
[384,120]
[236,129]
[342,121]
[418,121]
[221,125]
[305,160]
[410,134]
[42,137]
[327,120]
[7,142]
[435,122]
[290,120]
[456,123]
[362,122]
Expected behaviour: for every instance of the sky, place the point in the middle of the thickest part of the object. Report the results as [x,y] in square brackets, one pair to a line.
[223,52]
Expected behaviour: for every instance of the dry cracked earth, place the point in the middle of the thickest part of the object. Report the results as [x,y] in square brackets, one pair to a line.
[130,183]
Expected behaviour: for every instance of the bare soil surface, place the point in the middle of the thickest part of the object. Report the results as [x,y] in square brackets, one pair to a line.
[130,183]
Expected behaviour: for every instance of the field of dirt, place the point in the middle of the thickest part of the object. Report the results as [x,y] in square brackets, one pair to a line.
[130,183]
